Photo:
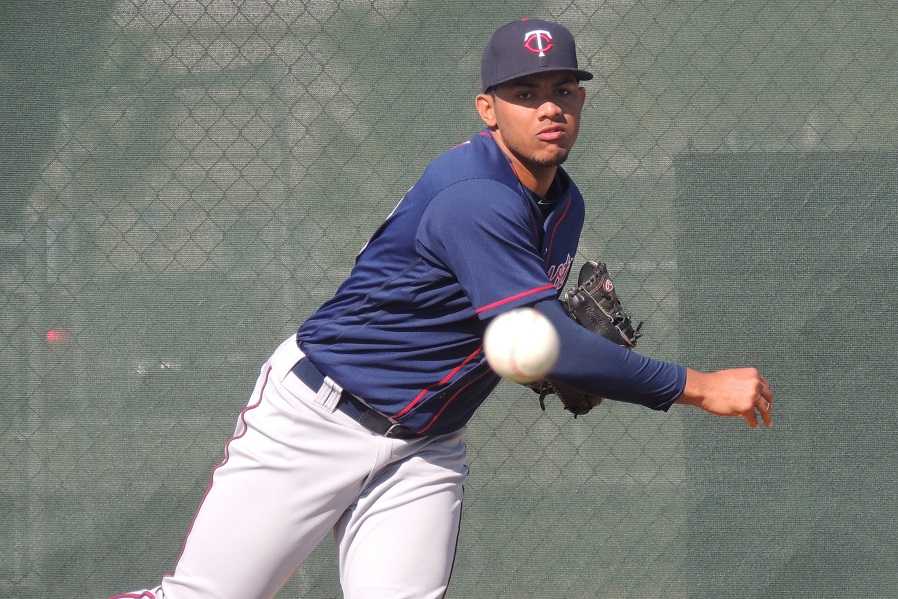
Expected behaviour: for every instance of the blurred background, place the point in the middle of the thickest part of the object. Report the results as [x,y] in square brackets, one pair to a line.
[182,183]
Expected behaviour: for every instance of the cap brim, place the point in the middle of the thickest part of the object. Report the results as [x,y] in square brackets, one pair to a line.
[580,74]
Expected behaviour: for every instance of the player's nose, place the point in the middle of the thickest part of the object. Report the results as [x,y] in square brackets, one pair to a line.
[550,109]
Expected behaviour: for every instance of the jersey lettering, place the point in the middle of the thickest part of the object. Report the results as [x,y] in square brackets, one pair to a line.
[558,273]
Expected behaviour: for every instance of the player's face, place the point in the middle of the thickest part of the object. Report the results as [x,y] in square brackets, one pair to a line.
[535,119]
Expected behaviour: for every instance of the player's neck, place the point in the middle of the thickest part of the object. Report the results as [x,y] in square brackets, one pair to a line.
[539,183]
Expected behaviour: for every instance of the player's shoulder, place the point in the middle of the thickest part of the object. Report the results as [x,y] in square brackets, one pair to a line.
[477,158]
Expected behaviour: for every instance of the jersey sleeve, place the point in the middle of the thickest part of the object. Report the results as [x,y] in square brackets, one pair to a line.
[487,236]
[597,366]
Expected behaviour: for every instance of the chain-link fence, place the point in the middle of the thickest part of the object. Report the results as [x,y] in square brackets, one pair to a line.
[182,183]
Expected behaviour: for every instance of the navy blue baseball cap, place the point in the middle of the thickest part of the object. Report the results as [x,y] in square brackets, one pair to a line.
[526,47]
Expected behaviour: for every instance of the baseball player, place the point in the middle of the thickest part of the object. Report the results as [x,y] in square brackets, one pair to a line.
[357,423]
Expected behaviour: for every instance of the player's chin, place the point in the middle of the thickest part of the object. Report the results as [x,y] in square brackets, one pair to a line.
[556,157]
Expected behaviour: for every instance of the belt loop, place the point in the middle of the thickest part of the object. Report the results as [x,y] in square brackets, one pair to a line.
[329,395]
[327,391]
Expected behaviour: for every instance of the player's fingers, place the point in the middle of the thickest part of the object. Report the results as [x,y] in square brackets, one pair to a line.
[764,406]
[766,390]
[751,417]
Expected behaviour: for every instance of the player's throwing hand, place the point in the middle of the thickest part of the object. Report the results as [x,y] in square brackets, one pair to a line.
[736,392]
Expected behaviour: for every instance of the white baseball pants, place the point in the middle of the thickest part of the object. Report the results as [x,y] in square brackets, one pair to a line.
[296,469]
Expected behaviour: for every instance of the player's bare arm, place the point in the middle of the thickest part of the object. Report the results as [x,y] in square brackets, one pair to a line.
[736,392]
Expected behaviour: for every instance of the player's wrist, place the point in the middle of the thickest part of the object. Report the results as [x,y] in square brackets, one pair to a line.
[695,389]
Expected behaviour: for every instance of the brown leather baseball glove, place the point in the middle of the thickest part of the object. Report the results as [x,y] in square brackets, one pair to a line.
[595,306]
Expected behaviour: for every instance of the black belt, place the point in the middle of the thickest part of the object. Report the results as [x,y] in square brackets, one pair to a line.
[352,406]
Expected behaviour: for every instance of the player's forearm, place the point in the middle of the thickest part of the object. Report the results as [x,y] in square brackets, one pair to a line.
[695,390]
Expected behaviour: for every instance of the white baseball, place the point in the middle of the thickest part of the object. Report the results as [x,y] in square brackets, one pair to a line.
[521,345]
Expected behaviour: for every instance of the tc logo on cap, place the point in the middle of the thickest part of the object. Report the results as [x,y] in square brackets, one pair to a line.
[538,41]
[547,47]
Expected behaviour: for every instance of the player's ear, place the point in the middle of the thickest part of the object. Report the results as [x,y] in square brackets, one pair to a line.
[486,108]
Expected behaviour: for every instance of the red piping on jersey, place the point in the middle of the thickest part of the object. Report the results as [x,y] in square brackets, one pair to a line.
[451,399]
[555,228]
[513,298]
[445,380]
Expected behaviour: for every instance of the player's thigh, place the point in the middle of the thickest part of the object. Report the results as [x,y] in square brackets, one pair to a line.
[273,499]
[399,540]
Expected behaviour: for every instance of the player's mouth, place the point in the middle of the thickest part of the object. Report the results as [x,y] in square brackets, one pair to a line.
[551,134]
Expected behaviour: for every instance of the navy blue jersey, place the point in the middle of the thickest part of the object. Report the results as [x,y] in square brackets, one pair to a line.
[468,241]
